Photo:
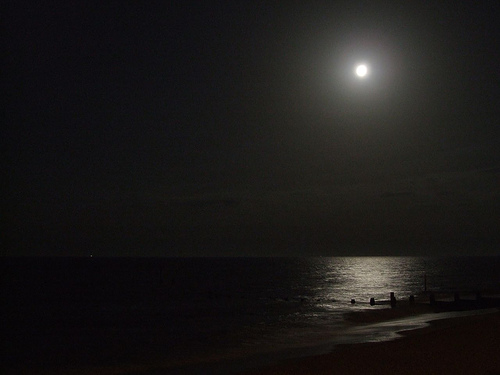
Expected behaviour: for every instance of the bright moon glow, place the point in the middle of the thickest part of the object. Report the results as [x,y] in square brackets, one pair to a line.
[361,70]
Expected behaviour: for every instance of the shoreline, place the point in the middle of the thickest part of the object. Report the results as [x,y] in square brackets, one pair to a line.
[392,337]
[449,345]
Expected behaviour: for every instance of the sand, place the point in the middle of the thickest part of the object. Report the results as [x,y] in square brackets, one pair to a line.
[466,345]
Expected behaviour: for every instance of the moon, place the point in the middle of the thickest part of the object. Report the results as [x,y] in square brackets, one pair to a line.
[361,70]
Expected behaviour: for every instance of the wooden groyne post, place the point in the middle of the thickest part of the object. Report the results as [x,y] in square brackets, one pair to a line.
[393,300]
[432,299]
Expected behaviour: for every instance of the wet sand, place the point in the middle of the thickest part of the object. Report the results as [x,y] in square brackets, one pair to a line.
[462,345]
[465,345]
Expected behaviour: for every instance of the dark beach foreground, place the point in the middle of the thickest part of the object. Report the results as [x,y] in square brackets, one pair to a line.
[459,345]
[464,345]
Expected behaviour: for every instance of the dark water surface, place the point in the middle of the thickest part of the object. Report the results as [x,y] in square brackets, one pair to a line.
[186,312]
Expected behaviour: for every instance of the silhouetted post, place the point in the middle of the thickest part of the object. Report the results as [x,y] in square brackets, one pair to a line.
[393,300]
[412,299]
[372,301]
[425,282]
[432,299]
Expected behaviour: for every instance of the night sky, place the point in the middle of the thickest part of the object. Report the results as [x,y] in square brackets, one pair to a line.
[240,128]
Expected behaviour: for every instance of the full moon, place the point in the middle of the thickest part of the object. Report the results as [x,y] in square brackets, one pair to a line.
[361,70]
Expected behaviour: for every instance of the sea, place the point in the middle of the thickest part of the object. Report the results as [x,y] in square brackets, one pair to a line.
[208,315]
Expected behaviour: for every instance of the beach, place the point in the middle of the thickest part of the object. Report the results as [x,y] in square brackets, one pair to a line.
[464,345]
[228,316]
[459,345]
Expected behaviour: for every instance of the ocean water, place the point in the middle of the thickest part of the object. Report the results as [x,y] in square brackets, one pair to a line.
[201,315]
